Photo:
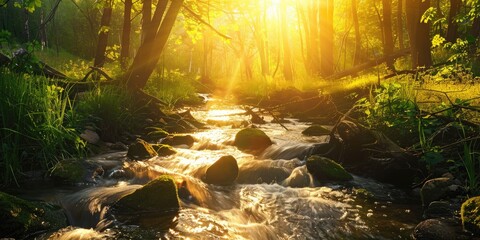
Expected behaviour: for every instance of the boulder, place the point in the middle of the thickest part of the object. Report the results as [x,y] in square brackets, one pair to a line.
[150,204]
[90,136]
[164,150]
[155,133]
[177,140]
[438,209]
[76,170]
[21,218]
[140,150]
[323,168]
[434,229]
[436,189]
[316,130]
[223,172]
[470,213]
[252,140]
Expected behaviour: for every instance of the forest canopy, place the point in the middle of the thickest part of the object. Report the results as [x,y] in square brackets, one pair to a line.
[271,39]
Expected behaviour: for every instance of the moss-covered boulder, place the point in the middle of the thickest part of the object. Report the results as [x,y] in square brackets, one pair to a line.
[149,204]
[155,133]
[316,130]
[140,150]
[76,170]
[252,140]
[470,213]
[70,170]
[323,168]
[223,172]
[163,150]
[177,140]
[20,218]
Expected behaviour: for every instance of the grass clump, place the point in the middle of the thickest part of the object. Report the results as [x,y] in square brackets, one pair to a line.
[37,126]
[109,109]
[173,88]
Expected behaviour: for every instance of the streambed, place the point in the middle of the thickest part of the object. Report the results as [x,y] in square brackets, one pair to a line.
[274,197]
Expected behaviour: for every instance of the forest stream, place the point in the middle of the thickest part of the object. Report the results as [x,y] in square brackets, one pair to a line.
[274,196]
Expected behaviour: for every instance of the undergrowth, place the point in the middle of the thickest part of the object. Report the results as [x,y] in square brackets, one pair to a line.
[37,125]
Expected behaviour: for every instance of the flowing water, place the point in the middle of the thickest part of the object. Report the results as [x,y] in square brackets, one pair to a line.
[274,197]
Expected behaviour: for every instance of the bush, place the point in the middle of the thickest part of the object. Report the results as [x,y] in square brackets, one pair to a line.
[37,125]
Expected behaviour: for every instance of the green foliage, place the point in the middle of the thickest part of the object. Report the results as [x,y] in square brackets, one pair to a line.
[110,109]
[390,110]
[36,127]
[173,87]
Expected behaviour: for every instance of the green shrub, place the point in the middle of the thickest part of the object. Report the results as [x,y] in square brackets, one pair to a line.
[36,127]
[110,109]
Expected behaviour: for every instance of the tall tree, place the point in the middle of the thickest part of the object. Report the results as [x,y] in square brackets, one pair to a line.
[127,28]
[146,16]
[419,33]
[452,30]
[287,55]
[358,55]
[309,12]
[150,50]
[387,32]
[326,39]
[400,24]
[103,34]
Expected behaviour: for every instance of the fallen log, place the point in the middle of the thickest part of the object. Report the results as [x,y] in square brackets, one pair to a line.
[21,57]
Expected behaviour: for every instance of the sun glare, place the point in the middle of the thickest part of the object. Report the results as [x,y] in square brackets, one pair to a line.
[273,8]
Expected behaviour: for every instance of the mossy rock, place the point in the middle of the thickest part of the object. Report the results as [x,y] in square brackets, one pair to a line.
[470,213]
[155,133]
[316,130]
[20,218]
[164,150]
[252,139]
[323,168]
[70,170]
[223,172]
[140,150]
[157,195]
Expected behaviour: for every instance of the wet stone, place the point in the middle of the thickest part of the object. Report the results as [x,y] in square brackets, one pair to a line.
[323,168]
[252,139]
[140,150]
[433,229]
[223,172]
[316,130]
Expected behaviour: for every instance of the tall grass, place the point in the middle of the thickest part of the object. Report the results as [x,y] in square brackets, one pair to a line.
[172,88]
[36,127]
[110,109]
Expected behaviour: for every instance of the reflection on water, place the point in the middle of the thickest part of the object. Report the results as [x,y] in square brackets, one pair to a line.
[274,198]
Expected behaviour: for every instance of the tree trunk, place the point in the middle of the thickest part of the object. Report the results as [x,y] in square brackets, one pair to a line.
[146,16]
[103,35]
[419,33]
[151,49]
[127,27]
[358,55]
[326,42]
[387,31]
[287,55]
[400,24]
[452,30]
